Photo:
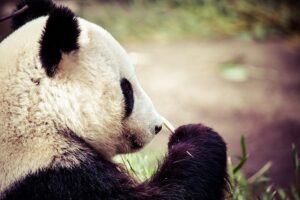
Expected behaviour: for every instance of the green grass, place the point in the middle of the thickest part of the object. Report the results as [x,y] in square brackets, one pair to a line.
[193,19]
[257,187]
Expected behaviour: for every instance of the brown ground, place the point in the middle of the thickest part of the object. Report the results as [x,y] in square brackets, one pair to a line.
[186,85]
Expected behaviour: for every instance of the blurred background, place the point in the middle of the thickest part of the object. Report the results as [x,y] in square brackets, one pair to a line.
[233,65]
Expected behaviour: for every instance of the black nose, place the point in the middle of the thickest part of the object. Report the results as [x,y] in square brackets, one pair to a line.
[157,129]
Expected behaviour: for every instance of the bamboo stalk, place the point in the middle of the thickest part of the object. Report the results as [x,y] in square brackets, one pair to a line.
[168,125]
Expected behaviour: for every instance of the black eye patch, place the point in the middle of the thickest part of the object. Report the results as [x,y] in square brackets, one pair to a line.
[128,96]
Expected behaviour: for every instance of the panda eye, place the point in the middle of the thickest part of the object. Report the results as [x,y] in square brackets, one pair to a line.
[128,96]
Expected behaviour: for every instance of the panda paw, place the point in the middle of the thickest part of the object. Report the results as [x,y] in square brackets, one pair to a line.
[196,140]
[195,135]
[197,162]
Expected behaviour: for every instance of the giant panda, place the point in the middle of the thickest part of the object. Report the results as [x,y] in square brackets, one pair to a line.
[70,101]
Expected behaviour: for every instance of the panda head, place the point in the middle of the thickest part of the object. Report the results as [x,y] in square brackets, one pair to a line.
[76,78]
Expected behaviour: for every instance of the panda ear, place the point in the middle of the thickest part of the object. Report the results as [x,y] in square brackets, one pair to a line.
[60,36]
[34,9]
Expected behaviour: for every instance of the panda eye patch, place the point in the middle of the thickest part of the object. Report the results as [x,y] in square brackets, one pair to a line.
[128,96]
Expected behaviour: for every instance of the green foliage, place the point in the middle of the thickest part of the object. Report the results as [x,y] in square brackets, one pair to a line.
[140,165]
[234,71]
[243,158]
[178,19]
[256,187]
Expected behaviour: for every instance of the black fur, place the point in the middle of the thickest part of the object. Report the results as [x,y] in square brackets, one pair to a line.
[194,168]
[61,31]
[60,36]
[36,8]
[128,96]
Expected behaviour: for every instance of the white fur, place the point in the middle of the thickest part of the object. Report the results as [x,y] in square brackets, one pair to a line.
[84,96]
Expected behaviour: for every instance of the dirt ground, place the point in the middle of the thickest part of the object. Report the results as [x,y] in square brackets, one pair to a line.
[186,85]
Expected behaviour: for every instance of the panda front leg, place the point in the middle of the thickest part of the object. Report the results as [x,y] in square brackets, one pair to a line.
[194,168]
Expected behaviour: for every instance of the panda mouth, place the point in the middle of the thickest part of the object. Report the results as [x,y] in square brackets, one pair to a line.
[135,143]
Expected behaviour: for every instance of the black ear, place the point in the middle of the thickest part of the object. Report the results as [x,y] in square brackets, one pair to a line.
[60,36]
[36,8]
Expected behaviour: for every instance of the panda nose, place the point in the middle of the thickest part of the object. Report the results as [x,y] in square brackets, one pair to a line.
[157,129]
